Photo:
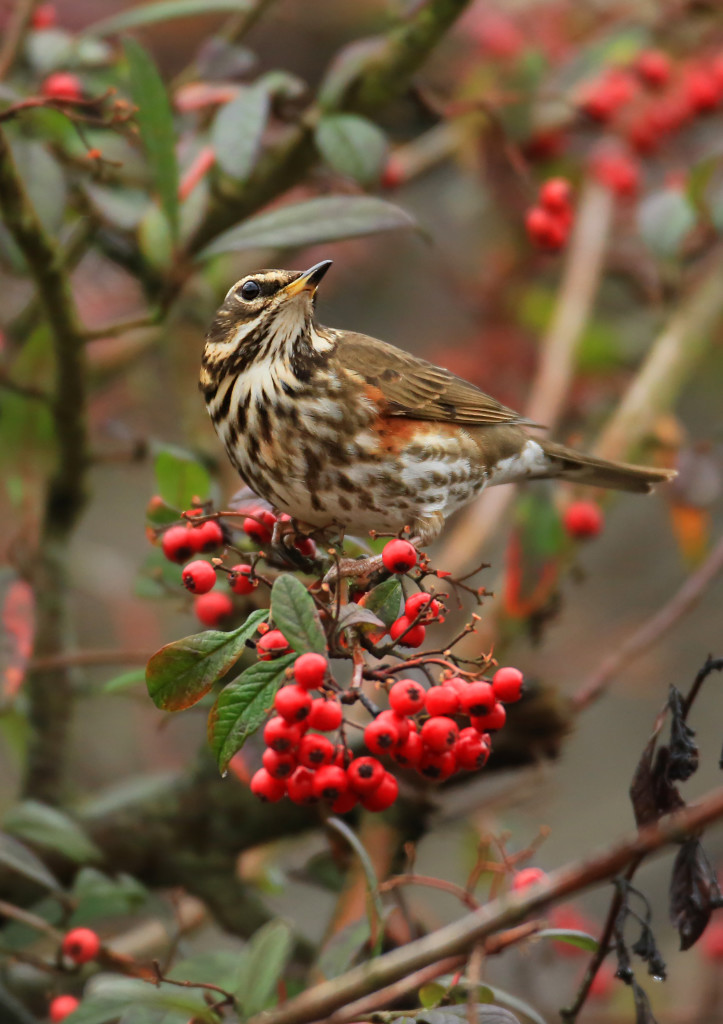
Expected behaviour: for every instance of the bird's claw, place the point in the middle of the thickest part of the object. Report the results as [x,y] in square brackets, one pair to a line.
[354,568]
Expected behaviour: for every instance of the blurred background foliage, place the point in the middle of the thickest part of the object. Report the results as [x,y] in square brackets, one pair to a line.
[493,113]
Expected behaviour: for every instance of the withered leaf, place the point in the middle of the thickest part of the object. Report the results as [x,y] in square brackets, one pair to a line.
[694,892]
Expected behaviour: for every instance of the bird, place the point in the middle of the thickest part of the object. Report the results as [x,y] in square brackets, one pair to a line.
[343,431]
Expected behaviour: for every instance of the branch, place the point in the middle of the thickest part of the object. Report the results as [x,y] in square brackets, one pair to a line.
[651,631]
[322,1000]
[17,26]
[373,82]
[583,269]
[50,695]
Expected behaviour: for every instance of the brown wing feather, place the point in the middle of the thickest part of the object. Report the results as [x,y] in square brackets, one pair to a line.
[417,389]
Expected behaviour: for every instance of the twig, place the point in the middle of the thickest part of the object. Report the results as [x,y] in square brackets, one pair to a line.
[15,30]
[25,917]
[432,883]
[549,390]
[133,323]
[322,1000]
[228,997]
[651,631]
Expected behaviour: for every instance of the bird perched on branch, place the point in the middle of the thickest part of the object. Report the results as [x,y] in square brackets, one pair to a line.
[340,429]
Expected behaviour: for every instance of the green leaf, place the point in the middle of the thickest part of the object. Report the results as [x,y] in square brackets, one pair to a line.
[353,146]
[262,965]
[19,858]
[343,948]
[294,613]
[180,478]
[52,829]
[155,237]
[355,615]
[385,600]
[326,219]
[113,996]
[155,122]
[243,705]
[97,896]
[664,219]
[183,672]
[123,682]
[164,10]
[431,995]
[569,935]
[499,995]
[237,131]
[19,935]
[376,906]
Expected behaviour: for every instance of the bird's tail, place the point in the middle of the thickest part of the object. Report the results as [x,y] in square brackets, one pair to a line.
[586,469]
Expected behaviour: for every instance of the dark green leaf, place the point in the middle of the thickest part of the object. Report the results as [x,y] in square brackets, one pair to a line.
[180,478]
[182,672]
[262,965]
[572,937]
[50,828]
[243,705]
[112,996]
[163,10]
[385,600]
[18,857]
[514,1003]
[326,219]
[43,180]
[122,207]
[354,615]
[213,968]
[19,935]
[97,896]
[238,129]
[294,613]
[155,122]
[353,146]
[343,948]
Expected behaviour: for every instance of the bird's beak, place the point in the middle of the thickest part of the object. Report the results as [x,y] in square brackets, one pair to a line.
[309,280]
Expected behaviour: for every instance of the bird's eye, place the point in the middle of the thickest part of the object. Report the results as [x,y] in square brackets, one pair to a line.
[249,290]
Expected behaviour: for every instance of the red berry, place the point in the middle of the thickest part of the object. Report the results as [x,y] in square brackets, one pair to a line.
[271,645]
[383,796]
[458,684]
[344,803]
[310,670]
[406,697]
[325,715]
[62,85]
[545,228]
[442,700]
[306,547]
[240,581]
[293,703]
[526,877]
[330,782]
[315,751]
[477,699]
[211,609]
[399,722]
[583,519]
[61,1007]
[381,736]
[177,544]
[507,684]
[365,774]
[393,174]
[711,942]
[492,721]
[44,16]
[472,749]
[701,90]
[413,637]
[437,766]
[266,787]
[440,734]
[603,97]
[617,171]
[208,536]
[279,766]
[261,526]
[300,787]
[555,195]
[653,66]
[603,983]
[409,753]
[81,945]
[421,600]
[282,736]
[199,577]
[399,555]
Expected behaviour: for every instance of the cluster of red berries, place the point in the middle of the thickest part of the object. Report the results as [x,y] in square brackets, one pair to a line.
[80,945]
[548,223]
[419,731]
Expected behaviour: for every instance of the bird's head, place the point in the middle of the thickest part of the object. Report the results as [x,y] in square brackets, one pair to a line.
[263,314]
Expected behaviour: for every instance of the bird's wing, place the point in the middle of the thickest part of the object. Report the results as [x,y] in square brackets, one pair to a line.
[414,388]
